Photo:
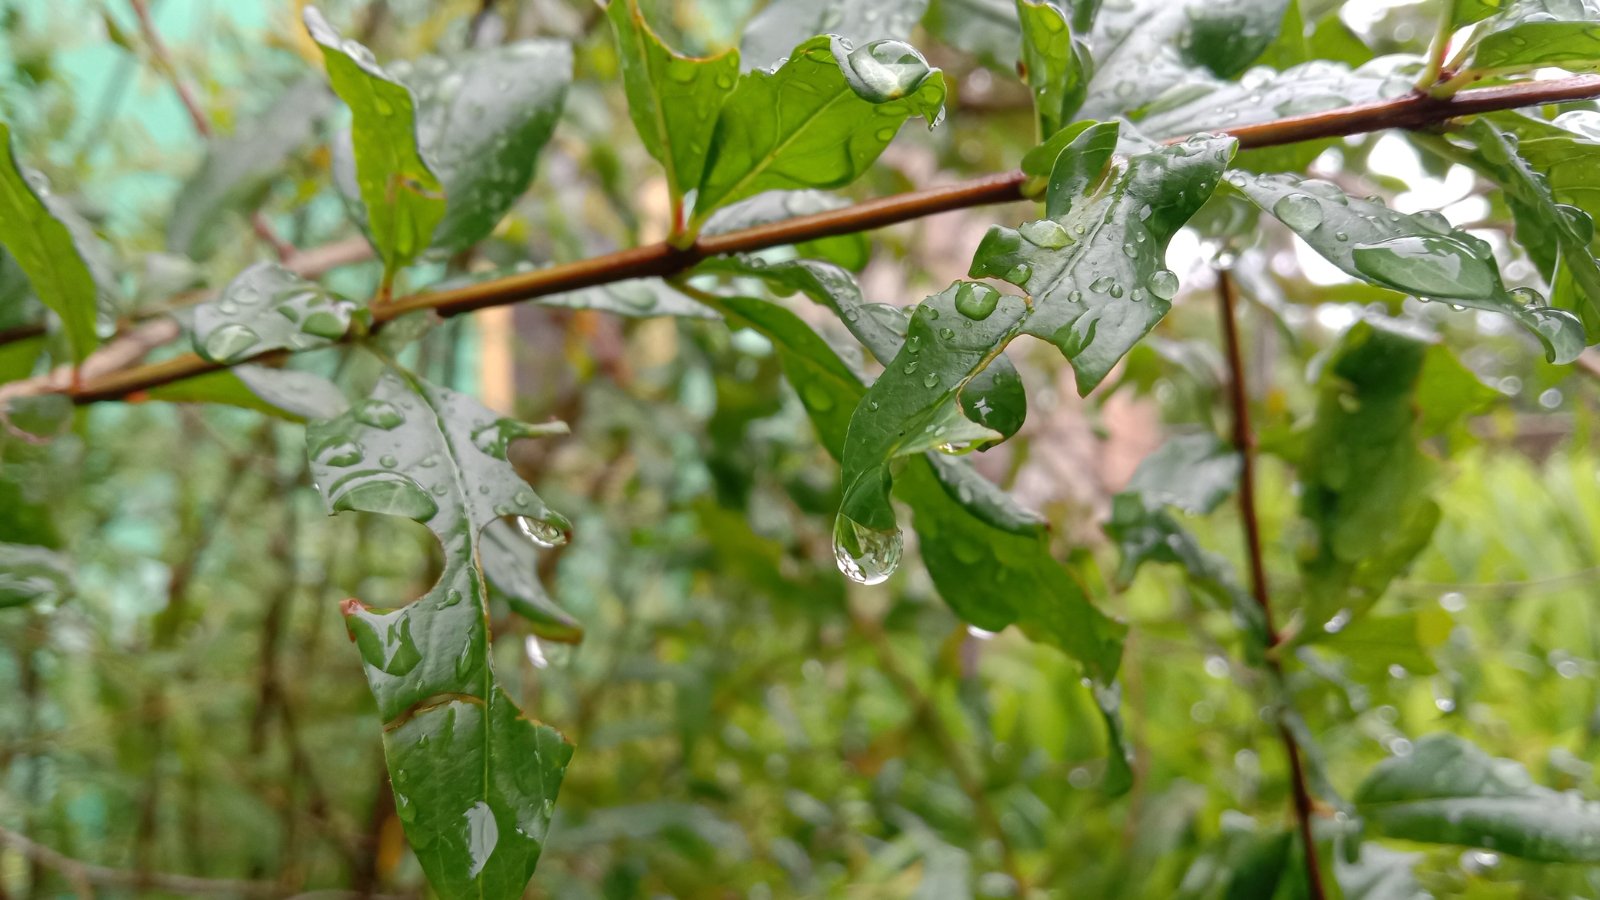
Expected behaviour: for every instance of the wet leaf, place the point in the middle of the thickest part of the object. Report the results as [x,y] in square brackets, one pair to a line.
[781,24]
[401,197]
[1096,270]
[1448,791]
[848,250]
[31,576]
[1055,64]
[1528,34]
[1418,254]
[1263,95]
[817,121]
[510,566]
[47,249]
[289,394]
[239,168]
[673,99]
[474,781]
[267,307]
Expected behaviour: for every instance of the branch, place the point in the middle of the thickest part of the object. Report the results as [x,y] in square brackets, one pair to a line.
[1244,444]
[1410,111]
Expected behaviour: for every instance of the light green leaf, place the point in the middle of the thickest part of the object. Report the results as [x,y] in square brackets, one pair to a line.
[1055,64]
[1096,271]
[1529,34]
[818,121]
[47,249]
[1365,481]
[31,575]
[673,99]
[781,24]
[238,168]
[1417,254]
[474,780]
[267,307]
[1447,791]
[402,198]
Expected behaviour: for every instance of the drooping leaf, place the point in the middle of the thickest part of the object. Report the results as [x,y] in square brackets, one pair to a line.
[1055,64]
[1096,269]
[1448,791]
[817,121]
[509,555]
[285,393]
[781,24]
[31,575]
[401,197]
[474,780]
[267,307]
[47,250]
[992,566]
[238,168]
[1527,34]
[673,99]
[1366,484]
[1557,236]
[1418,254]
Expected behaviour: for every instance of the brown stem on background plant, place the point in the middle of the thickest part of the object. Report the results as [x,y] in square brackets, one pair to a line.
[1413,110]
[1244,444]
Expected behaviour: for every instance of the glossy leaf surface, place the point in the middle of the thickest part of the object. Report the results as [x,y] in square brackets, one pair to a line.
[402,199]
[267,307]
[817,121]
[1531,33]
[1055,65]
[475,781]
[782,24]
[1448,791]
[1417,254]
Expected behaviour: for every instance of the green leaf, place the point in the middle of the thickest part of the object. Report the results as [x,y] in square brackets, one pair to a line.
[987,29]
[289,394]
[848,250]
[1528,34]
[673,99]
[47,249]
[1557,236]
[239,168]
[1193,472]
[818,121]
[781,24]
[1055,64]
[1465,12]
[402,199]
[1365,481]
[509,557]
[1096,269]
[1566,154]
[474,780]
[1447,791]
[1263,95]
[1417,254]
[31,576]
[635,298]
[267,307]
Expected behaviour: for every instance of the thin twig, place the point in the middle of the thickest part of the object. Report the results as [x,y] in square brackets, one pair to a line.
[1244,444]
[660,259]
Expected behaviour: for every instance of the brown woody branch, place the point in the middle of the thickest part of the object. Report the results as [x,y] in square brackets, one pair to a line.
[1414,110]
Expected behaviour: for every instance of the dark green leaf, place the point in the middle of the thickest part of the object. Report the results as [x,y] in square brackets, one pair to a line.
[1418,254]
[1096,271]
[510,567]
[1055,65]
[402,198]
[818,121]
[474,780]
[267,307]
[32,575]
[673,99]
[238,168]
[47,249]
[1528,34]
[781,24]
[1447,791]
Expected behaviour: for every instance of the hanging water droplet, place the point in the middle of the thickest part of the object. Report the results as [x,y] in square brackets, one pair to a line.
[542,533]
[976,301]
[231,342]
[1163,283]
[1300,212]
[865,555]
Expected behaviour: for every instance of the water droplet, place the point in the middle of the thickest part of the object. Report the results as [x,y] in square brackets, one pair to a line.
[1433,221]
[976,301]
[1102,284]
[1019,274]
[948,334]
[881,70]
[1046,233]
[482,835]
[340,453]
[377,414]
[387,492]
[865,555]
[1163,283]
[451,598]
[323,324]
[388,461]
[1426,265]
[1300,212]
[231,342]
[542,533]
[931,380]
